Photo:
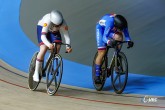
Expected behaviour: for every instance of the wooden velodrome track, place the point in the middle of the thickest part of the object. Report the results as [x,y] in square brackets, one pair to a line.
[14,92]
[15,95]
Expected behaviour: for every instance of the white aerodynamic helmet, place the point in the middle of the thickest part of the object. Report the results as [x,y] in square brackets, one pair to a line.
[56,17]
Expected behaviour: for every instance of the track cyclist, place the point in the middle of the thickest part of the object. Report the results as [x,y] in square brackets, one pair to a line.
[48,31]
[109,28]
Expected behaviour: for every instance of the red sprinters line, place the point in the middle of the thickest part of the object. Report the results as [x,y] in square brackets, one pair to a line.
[99,101]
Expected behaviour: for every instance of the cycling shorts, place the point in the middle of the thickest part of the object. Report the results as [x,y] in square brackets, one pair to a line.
[101,45]
[52,37]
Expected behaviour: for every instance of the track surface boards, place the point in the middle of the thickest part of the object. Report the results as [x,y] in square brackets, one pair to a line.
[15,95]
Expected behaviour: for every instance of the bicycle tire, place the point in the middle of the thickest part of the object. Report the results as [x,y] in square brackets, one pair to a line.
[32,85]
[103,75]
[121,71]
[52,76]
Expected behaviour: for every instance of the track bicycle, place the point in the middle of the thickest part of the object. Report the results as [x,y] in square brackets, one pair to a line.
[117,69]
[53,69]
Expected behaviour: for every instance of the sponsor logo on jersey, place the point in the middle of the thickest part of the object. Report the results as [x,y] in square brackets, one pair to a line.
[45,24]
[102,22]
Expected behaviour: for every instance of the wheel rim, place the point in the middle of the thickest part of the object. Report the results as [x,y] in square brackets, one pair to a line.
[119,76]
[32,84]
[54,75]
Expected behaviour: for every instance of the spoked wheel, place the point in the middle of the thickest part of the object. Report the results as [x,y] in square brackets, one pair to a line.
[103,75]
[54,74]
[32,84]
[119,73]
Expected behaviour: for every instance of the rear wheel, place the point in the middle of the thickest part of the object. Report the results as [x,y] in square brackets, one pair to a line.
[54,74]
[32,84]
[119,73]
[103,75]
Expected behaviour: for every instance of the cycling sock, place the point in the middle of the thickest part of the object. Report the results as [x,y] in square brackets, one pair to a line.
[97,68]
[37,69]
[38,65]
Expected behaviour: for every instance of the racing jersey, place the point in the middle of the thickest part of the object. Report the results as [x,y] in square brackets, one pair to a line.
[49,27]
[107,23]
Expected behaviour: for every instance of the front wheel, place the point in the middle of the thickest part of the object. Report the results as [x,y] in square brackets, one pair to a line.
[119,73]
[54,73]
[103,74]
[32,84]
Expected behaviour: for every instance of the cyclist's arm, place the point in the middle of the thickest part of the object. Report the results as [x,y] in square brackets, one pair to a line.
[44,34]
[44,22]
[126,34]
[64,29]
[108,27]
[45,41]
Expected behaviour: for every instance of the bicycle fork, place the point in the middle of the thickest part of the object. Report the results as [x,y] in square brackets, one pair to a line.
[110,67]
[118,63]
[57,66]
[114,63]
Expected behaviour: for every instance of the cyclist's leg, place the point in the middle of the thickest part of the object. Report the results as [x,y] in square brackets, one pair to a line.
[98,61]
[101,52]
[40,56]
[118,36]
[39,61]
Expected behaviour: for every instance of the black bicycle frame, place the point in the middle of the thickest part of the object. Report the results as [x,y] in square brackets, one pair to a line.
[50,57]
[53,55]
[114,58]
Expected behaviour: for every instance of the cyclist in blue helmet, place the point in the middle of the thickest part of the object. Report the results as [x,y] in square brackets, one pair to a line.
[109,28]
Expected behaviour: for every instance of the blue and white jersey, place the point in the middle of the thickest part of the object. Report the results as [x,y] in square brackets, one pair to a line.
[105,29]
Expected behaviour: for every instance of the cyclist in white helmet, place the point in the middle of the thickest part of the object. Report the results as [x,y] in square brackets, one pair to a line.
[48,31]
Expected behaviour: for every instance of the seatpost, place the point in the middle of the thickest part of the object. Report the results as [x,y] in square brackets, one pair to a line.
[55,48]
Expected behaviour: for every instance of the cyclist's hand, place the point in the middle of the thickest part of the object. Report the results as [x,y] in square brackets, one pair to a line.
[51,47]
[111,42]
[68,50]
[130,44]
